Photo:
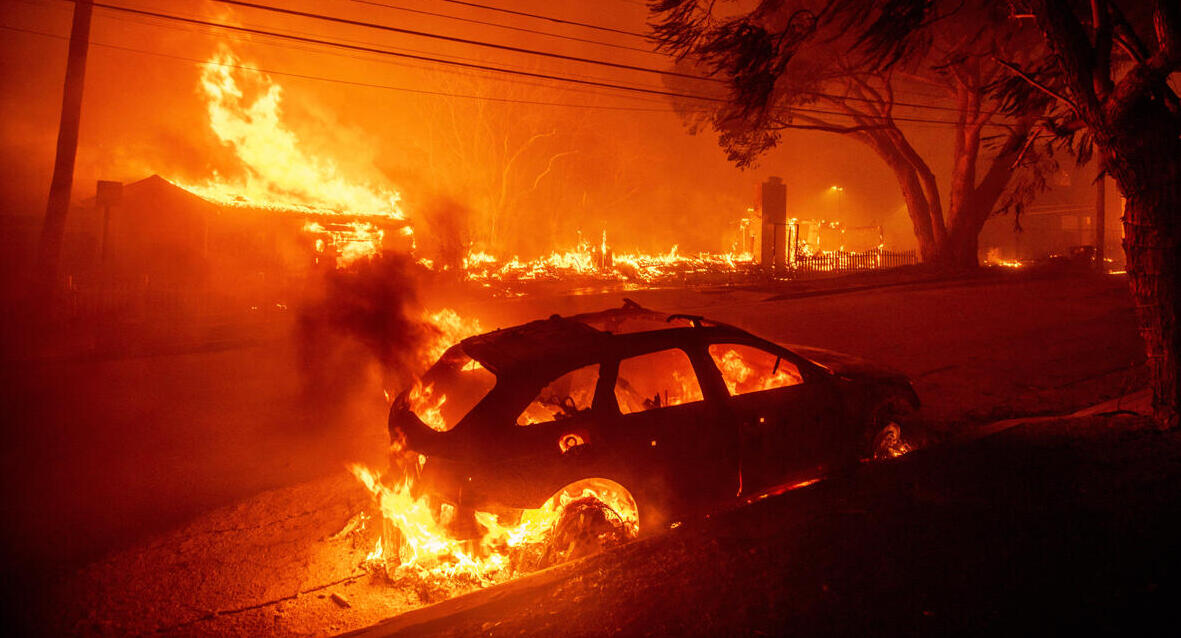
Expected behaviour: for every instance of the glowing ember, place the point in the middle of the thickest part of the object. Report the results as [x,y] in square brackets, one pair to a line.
[993,258]
[349,242]
[600,262]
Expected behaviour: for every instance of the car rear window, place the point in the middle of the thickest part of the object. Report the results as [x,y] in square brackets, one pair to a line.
[747,369]
[563,397]
[449,390]
[656,380]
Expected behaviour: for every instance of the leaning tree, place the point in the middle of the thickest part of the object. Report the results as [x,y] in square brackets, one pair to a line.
[842,66]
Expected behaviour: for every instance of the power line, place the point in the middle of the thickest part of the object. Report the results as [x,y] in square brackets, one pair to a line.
[161,23]
[485,67]
[410,56]
[506,26]
[586,25]
[629,67]
[488,68]
[166,24]
[479,43]
[329,18]
[243,67]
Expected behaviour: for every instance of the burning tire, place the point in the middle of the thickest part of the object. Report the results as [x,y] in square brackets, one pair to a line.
[587,526]
[886,434]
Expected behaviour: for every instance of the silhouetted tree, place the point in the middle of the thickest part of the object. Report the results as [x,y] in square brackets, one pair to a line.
[1112,77]
[832,66]
[1105,82]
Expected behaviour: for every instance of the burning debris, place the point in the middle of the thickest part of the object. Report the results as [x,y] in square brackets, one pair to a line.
[464,503]
[346,221]
[421,541]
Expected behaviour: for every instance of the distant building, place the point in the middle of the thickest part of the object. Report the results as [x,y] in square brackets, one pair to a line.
[1059,219]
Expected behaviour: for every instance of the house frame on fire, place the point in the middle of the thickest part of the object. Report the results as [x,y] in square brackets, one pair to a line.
[155,232]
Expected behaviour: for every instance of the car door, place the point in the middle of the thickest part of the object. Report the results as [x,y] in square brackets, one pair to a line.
[673,439]
[787,423]
[555,441]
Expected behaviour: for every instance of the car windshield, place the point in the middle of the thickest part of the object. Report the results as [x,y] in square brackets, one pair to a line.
[449,390]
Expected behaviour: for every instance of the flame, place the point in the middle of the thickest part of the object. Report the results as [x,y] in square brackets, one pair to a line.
[451,328]
[280,173]
[350,242]
[424,545]
[428,549]
[993,258]
[427,406]
[741,378]
[600,261]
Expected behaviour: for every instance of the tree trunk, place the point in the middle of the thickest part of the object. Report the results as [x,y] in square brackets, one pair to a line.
[962,252]
[1152,187]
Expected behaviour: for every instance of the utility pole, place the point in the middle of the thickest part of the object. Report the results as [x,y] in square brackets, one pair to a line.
[1100,219]
[53,230]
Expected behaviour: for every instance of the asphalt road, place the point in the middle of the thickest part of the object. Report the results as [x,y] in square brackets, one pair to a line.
[111,453]
[977,349]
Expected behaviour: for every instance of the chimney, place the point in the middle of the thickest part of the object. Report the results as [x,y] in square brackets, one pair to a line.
[772,203]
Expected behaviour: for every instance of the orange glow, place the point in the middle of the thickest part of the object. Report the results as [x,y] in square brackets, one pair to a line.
[428,550]
[424,546]
[451,328]
[993,258]
[745,369]
[428,405]
[280,174]
[600,261]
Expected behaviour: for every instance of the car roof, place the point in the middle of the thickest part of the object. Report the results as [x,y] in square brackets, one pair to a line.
[560,340]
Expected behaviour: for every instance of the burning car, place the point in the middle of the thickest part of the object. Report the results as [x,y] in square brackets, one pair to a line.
[662,416]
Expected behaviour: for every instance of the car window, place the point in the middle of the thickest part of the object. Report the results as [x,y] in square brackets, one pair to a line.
[563,397]
[449,390]
[748,369]
[656,380]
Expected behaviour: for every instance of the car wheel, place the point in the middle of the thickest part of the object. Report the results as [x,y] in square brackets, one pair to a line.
[887,439]
[587,526]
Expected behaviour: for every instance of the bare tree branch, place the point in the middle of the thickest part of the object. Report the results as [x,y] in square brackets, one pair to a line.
[1038,85]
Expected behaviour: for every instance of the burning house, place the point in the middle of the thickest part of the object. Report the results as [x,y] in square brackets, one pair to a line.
[154,234]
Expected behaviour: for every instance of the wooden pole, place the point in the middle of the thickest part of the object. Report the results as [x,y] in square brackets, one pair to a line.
[1100,220]
[53,230]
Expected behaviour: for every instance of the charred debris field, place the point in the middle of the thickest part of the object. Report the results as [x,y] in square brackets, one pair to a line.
[1058,523]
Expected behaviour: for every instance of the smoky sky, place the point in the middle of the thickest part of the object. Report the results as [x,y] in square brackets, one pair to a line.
[534,161]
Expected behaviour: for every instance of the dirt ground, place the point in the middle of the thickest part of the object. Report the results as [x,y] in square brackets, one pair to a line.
[270,564]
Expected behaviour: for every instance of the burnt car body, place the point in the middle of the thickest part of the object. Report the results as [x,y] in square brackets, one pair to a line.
[677,413]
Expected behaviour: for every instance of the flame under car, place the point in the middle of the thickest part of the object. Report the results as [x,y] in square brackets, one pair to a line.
[682,413]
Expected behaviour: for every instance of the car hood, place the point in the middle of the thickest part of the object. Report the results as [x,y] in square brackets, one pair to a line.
[847,365]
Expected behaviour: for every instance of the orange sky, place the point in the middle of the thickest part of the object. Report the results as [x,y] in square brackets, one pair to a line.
[620,162]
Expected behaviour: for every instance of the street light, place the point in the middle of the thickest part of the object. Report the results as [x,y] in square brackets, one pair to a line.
[840,191]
